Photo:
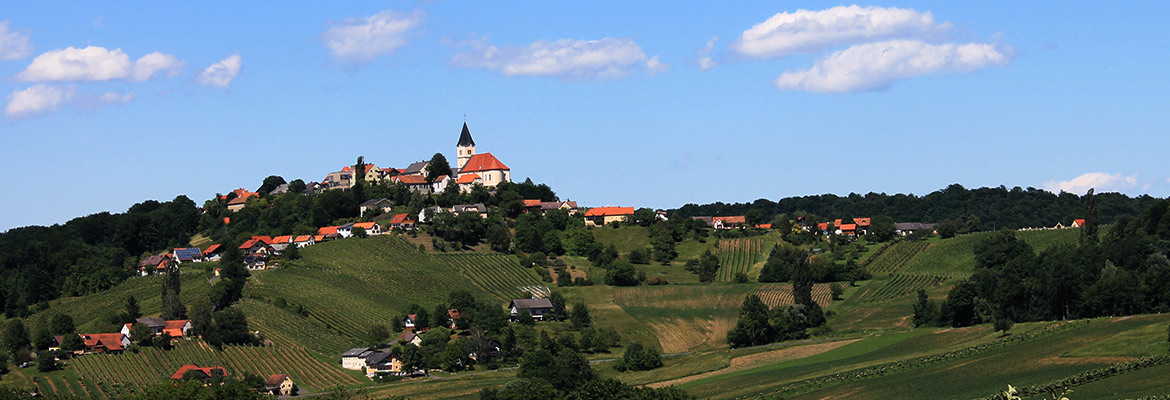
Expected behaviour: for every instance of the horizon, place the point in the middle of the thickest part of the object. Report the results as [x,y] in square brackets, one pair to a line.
[654,106]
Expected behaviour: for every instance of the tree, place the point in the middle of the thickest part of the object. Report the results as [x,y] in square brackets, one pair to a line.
[72,342]
[164,340]
[15,337]
[1089,229]
[662,241]
[974,224]
[359,184]
[781,264]
[639,358]
[296,186]
[580,316]
[412,358]
[141,334]
[438,166]
[1003,324]
[565,370]
[270,184]
[836,290]
[43,339]
[47,362]
[925,312]
[753,327]
[62,324]
[753,217]
[621,273]
[882,228]
[293,252]
[706,266]
[173,307]
[499,238]
[559,313]
[131,311]
[377,334]
[359,232]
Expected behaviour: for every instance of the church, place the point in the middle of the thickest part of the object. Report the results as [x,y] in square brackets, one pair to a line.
[473,168]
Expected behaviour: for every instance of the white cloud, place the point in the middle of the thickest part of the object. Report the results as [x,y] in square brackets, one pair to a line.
[705,60]
[38,99]
[656,66]
[92,63]
[44,99]
[810,32]
[222,73]
[1102,182]
[13,45]
[874,66]
[568,59]
[153,63]
[363,39]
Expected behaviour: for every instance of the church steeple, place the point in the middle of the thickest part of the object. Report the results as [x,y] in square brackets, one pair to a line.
[466,146]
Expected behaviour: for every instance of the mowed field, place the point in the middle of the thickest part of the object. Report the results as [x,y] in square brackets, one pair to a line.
[350,285]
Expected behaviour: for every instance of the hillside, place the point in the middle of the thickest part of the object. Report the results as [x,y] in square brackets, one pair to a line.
[346,286]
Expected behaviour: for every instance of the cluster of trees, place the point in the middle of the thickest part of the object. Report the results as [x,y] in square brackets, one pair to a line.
[87,254]
[998,207]
[786,262]
[1122,271]
[639,358]
[559,371]
[758,325]
[16,344]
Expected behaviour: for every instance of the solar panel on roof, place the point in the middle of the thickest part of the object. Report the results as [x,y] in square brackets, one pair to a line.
[189,253]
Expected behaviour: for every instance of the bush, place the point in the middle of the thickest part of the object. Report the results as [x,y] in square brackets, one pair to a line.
[741,277]
[621,273]
[658,280]
[638,358]
[836,290]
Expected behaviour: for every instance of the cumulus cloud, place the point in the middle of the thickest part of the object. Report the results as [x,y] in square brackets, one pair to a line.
[705,60]
[874,66]
[222,73]
[363,39]
[13,45]
[96,63]
[810,32]
[1101,181]
[44,99]
[38,99]
[154,63]
[607,58]
[92,63]
[656,66]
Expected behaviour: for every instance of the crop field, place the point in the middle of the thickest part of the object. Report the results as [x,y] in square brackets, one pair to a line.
[153,365]
[357,283]
[684,318]
[895,256]
[956,257]
[780,294]
[287,329]
[498,274]
[899,284]
[739,255]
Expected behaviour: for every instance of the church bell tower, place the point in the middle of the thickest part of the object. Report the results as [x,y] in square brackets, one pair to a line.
[466,147]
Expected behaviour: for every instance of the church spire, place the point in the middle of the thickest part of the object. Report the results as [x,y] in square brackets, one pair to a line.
[465,137]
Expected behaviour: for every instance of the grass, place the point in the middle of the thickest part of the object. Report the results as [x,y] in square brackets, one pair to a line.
[685,318]
[956,257]
[626,238]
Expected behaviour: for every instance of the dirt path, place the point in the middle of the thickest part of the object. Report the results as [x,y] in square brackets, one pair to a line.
[754,360]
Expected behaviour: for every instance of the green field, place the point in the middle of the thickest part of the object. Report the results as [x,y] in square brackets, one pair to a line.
[956,257]
[742,256]
[892,258]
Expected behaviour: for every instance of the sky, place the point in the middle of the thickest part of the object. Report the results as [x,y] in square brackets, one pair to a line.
[647,104]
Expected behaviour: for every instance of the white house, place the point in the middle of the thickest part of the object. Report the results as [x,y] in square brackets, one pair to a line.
[355,358]
[345,230]
[427,213]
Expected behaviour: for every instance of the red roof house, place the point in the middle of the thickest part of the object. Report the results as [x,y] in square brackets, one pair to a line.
[483,162]
[208,372]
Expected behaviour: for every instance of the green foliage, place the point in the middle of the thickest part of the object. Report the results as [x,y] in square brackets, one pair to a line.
[925,311]
[62,324]
[781,264]
[881,228]
[621,273]
[565,370]
[140,334]
[706,266]
[46,362]
[753,327]
[15,337]
[639,358]
[580,316]
[270,183]
[559,313]
[438,166]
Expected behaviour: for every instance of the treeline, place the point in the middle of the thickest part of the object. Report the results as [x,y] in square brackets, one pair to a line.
[996,208]
[87,254]
[1120,272]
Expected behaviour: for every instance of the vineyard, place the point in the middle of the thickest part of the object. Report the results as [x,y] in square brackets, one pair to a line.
[347,286]
[956,257]
[895,256]
[287,329]
[899,285]
[739,255]
[780,294]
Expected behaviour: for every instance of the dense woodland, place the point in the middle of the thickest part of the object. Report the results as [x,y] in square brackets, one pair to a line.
[997,208]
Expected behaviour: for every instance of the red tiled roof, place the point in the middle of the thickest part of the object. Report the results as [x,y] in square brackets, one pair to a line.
[739,219]
[192,367]
[302,238]
[318,238]
[848,227]
[1079,222]
[861,221]
[213,248]
[837,222]
[412,179]
[607,211]
[824,226]
[532,202]
[275,380]
[401,219]
[227,220]
[111,341]
[483,162]
[175,327]
[364,225]
[327,230]
[469,178]
[282,239]
[764,226]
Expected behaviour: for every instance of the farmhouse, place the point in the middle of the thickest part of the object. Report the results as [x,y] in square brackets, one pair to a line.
[205,374]
[355,358]
[907,228]
[371,228]
[477,208]
[240,199]
[155,263]
[175,328]
[280,385]
[607,215]
[213,252]
[534,307]
[400,221]
[303,240]
[728,222]
[380,205]
[187,254]
[383,363]
[104,342]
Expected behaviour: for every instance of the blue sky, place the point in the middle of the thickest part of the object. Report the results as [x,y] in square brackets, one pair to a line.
[652,104]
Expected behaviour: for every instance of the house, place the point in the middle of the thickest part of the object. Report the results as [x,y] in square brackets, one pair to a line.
[383,363]
[213,252]
[321,238]
[104,342]
[416,183]
[155,263]
[240,199]
[408,337]
[327,231]
[486,166]
[847,229]
[908,228]
[862,225]
[430,212]
[763,226]
[607,215]
[175,328]
[570,206]
[339,180]
[728,222]
[823,228]
[400,221]
[408,323]
[531,205]
[661,215]
[286,239]
[381,205]
[345,230]
[534,307]
[355,358]
[1077,223]
[187,254]
[303,240]
[280,385]
[477,208]
[468,181]
[280,189]
[710,221]
[440,183]
[259,245]
[205,374]
[371,228]
[417,169]
[453,316]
